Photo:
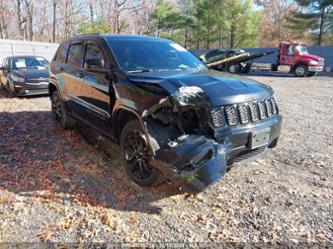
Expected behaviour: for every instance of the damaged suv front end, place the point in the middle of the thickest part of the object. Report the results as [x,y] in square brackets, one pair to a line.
[196,121]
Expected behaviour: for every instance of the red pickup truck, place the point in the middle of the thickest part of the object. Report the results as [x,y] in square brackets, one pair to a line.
[296,55]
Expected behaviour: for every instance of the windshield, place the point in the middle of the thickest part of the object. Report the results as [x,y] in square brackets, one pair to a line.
[29,63]
[302,49]
[137,56]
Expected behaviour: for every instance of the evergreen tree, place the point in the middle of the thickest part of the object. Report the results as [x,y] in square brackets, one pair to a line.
[314,16]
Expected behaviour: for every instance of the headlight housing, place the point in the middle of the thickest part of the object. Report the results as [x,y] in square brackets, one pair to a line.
[313,62]
[17,78]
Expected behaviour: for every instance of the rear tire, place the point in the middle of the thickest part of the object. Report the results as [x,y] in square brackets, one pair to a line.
[135,155]
[274,67]
[61,114]
[301,70]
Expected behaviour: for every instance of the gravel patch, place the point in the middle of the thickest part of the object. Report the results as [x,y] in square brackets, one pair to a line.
[57,187]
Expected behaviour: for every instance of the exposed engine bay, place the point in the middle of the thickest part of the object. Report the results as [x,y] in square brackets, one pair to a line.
[179,129]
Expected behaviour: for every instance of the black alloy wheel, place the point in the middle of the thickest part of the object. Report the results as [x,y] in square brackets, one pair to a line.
[56,105]
[61,115]
[136,155]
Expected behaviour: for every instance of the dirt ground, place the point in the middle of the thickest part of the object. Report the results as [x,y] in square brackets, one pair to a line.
[56,187]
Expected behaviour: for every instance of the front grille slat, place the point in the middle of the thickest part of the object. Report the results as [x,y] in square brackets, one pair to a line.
[274,106]
[254,112]
[232,116]
[244,113]
[262,110]
[218,117]
[269,107]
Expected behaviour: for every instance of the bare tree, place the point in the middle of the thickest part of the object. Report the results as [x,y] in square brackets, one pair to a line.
[54,22]
[29,19]
[20,20]
[5,14]
[71,9]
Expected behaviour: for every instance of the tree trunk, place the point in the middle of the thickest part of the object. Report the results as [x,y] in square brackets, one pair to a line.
[186,37]
[29,8]
[232,36]
[54,24]
[19,19]
[198,35]
[322,19]
[91,9]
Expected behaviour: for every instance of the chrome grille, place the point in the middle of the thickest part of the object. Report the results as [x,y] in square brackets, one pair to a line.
[254,112]
[244,113]
[269,107]
[37,80]
[274,106]
[218,117]
[262,110]
[232,116]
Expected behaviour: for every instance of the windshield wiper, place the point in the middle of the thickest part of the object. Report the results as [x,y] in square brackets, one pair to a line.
[140,71]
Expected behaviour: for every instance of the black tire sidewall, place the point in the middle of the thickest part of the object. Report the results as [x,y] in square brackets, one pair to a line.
[236,68]
[155,177]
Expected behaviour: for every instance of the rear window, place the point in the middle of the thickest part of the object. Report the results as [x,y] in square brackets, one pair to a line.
[62,53]
[75,54]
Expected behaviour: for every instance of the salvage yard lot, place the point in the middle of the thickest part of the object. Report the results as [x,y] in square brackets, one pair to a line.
[54,186]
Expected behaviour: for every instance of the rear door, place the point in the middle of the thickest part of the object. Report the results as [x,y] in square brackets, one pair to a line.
[73,77]
[97,84]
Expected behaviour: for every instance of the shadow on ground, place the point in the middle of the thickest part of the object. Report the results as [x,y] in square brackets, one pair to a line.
[40,159]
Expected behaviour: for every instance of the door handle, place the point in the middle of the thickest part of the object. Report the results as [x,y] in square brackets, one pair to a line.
[80,75]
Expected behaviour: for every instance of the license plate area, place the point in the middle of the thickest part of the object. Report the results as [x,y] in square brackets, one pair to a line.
[260,138]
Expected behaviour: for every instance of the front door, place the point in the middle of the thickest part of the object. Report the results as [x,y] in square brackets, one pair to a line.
[97,84]
[287,56]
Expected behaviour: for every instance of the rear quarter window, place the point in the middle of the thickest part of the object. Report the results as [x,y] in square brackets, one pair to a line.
[75,54]
[62,53]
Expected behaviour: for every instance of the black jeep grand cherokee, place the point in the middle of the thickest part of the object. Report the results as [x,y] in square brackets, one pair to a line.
[172,117]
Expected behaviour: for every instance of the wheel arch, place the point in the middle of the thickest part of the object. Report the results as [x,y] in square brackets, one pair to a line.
[53,86]
[121,117]
[300,63]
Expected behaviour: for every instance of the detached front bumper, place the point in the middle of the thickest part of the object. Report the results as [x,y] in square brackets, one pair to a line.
[316,68]
[196,162]
[30,89]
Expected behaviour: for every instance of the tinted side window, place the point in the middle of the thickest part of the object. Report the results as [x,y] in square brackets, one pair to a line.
[75,55]
[4,63]
[94,56]
[62,53]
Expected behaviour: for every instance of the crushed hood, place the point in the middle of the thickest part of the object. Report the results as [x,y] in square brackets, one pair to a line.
[220,88]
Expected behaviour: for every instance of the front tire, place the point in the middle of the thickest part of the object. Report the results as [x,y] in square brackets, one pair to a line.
[301,70]
[61,114]
[11,93]
[136,154]
[234,68]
